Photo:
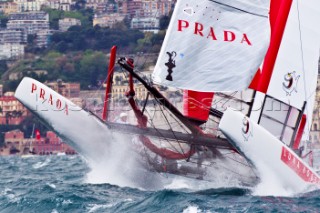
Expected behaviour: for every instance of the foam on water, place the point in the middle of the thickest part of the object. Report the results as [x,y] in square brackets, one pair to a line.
[192,209]
[28,190]
[111,160]
[270,185]
[39,165]
[51,185]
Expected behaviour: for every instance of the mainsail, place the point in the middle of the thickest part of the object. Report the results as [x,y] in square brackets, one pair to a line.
[214,45]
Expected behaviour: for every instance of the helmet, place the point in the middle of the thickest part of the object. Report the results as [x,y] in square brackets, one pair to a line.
[123,114]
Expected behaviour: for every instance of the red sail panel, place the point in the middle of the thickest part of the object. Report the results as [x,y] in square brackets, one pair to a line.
[196,105]
[112,62]
[279,11]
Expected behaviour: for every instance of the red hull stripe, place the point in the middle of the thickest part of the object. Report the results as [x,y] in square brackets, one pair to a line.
[298,166]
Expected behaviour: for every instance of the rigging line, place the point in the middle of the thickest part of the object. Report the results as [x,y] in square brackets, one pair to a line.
[165,139]
[173,133]
[232,96]
[227,100]
[220,165]
[176,121]
[303,64]
[178,141]
[238,161]
[236,8]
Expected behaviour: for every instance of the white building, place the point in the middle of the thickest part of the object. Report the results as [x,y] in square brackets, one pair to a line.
[29,5]
[107,20]
[11,51]
[65,23]
[14,36]
[146,24]
[32,23]
[60,4]
[315,127]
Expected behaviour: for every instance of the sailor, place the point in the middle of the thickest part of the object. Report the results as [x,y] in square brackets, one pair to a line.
[123,118]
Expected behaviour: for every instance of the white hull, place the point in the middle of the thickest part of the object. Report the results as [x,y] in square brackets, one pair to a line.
[266,152]
[79,128]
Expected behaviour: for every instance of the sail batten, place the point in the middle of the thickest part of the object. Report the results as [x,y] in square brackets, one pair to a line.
[211,47]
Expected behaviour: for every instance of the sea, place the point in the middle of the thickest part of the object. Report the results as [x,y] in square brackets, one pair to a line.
[63,184]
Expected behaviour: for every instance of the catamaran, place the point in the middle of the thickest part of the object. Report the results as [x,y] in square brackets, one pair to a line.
[264,51]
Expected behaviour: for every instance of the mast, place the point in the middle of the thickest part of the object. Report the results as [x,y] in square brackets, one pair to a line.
[112,62]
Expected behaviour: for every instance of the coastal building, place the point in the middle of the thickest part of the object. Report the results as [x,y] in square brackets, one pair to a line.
[66,23]
[145,8]
[32,23]
[42,38]
[64,5]
[11,51]
[107,20]
[15,76]
[146,24]
[53,4]
[93,4]
[11,110]
[69,90]
[315,127]
[29,5]
[158,8]
[13,36]
[8,7]
[130,8]
[51,144]
[110,8]
[120,87]
[16,143]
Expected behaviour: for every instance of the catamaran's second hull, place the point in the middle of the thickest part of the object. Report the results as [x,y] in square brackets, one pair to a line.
[268,154]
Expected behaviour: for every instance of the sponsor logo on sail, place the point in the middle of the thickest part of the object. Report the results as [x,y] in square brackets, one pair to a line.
[208,32]
[46,97]
[290,83]
[170,64]
[246,129]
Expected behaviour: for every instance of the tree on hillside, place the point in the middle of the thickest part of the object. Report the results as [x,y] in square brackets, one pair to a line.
[93,68]
[164,22]
[3,66]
